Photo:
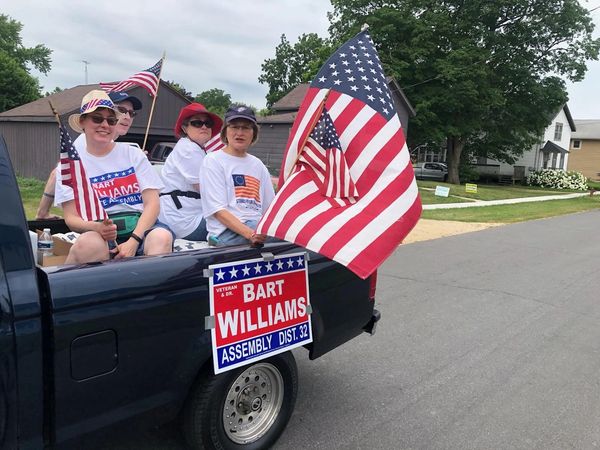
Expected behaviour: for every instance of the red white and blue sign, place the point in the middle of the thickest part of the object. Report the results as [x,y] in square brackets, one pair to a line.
[260,307]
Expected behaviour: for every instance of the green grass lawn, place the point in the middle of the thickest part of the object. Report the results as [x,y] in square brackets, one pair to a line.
[490,192]
[31,192]
[429,198]
[518,212]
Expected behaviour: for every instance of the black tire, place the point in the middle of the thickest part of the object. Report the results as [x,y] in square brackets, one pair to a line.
[245,408]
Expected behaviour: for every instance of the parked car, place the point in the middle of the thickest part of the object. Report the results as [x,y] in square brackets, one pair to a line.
[160,151]
[431,171]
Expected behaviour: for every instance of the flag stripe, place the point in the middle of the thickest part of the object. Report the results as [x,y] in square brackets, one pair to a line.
[296,138]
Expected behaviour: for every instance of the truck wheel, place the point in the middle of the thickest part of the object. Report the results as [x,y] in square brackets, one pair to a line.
[245,408]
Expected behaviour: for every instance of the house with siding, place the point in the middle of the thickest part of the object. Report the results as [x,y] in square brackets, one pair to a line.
[275,129]
[551,151]
[32,136]
[585,149]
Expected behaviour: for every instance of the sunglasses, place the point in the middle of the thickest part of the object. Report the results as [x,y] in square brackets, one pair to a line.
[111,121]
[200,123]
[124,110]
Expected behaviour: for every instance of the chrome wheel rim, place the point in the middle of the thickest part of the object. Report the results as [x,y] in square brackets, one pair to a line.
[253,403]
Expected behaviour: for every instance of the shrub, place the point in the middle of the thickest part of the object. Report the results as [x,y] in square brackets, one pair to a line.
[557,179]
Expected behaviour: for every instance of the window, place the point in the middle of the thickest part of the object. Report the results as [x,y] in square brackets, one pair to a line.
[558,131]
[576,144]
[554,156]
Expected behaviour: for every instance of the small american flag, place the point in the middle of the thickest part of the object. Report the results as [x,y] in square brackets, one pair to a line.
[73,175]
[148,79]
[323,154]
[384,204]
[246,186]
[215,143]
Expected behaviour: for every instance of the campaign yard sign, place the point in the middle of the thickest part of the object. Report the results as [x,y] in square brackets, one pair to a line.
[260,307]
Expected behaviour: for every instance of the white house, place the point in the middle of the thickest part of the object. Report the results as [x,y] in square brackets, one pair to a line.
[551,152]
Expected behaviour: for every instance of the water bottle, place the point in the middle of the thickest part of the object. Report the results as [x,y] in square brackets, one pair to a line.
[45,245]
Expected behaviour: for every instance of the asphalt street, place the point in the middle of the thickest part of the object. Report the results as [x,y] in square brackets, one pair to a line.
[488,340]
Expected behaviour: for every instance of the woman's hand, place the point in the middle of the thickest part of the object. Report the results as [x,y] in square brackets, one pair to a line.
[127,248]
[257,239]
[108,230]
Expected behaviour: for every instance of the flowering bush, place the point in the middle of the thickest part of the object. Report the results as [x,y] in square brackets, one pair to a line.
[557,179]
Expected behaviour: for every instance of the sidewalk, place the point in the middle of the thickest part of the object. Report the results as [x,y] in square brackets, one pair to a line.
[506,201]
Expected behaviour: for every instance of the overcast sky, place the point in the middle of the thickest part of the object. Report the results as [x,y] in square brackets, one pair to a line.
[208,44]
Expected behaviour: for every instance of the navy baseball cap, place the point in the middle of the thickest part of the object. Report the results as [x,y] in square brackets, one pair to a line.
[240,112]
[118,97]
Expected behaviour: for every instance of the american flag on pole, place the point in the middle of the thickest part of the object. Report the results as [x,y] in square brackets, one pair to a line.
[148,79]
[357,207]
[215,143]
[73,175]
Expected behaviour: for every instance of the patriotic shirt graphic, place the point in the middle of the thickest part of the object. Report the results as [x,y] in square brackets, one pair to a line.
[247,189]
[115,188]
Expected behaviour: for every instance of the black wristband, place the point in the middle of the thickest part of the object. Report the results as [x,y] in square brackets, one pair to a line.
[137,238]
[46,194]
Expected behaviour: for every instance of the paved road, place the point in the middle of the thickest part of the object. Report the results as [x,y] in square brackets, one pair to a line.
[489,340]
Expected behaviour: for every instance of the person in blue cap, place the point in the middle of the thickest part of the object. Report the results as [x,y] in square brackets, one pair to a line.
[128,105]
[235,186]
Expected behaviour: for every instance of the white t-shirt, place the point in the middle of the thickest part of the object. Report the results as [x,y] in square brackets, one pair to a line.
[241,185]
[119,178]
[180,172]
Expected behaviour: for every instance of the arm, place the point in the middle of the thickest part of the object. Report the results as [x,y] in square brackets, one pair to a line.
[235,225]
[43,211]
[147,219]
[106,229]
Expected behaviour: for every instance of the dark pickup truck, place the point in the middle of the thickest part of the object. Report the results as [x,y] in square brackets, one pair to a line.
[87,348]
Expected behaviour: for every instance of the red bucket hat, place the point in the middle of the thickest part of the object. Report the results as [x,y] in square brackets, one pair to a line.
[191,110]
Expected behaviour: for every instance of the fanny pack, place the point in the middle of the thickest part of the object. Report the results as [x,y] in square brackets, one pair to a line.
[126,223]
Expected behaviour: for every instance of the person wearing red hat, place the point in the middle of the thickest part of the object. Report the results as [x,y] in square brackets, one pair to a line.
[180,205]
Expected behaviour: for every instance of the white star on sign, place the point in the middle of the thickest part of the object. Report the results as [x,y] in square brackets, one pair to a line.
[257,268]
[279,264]
[269,266]
[300,262]
[220,275]
[246,270]
[290,263]
[233,272]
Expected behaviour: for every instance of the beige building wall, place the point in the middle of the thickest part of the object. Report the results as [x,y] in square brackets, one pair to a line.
[586,159]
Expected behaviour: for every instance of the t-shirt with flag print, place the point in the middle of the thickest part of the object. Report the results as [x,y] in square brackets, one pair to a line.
[119,178]
[240,185]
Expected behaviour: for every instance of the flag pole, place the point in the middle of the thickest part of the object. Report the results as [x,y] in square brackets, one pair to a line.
[315,119]
[154,100]
[57,117]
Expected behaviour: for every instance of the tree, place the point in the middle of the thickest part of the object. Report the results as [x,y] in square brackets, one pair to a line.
[56,90]
[179,88]
[293,65]
[17,85]
[484,77]
[215,100]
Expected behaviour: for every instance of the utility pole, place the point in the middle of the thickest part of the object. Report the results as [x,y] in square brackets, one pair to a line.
[86,72]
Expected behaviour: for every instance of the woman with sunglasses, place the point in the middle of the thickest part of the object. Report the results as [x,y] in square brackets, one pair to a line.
[125,184]
[128,106]
[180,205]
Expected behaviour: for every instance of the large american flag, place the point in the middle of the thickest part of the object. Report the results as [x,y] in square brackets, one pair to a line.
[362,231]
[148,79]
[73,175]
[215,143]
